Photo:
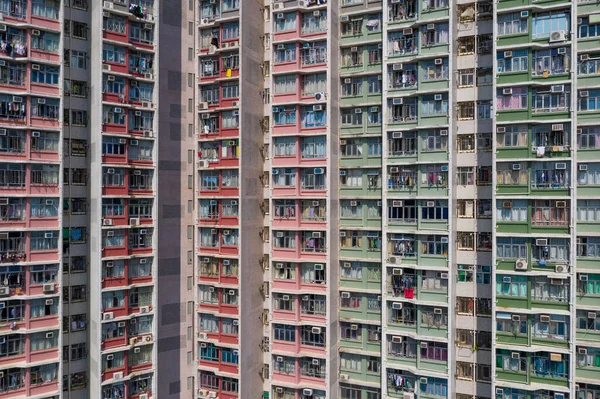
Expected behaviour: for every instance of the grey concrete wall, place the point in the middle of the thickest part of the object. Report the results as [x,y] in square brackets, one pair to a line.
[251,219]
[95,207]
[174,142]
[333,203]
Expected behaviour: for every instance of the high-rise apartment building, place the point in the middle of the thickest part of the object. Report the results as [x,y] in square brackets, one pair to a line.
[308,199]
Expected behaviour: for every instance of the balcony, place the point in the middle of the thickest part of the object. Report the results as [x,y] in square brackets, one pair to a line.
[309,308]
[533,368]
[412,285]
[219,241]
[219,271]
[417,319]
[311,245]
[224,360]
[122,364]
[219,213]
[305,213]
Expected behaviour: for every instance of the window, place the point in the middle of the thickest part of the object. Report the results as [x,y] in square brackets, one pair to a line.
[434,175]
[466,77]
[311,273]
[511,211]
[512,98]
[438,35]
[115,23]
[547,175]
[285,22]
[511,24]
[77,59]
[432,105]
[313,179]
[434,140]
[314,23]
[282,332]
[588,210]
[45,108]
[515,286]
[43,308]
[285,271]
[545,23]
[46,74]
[513,61]
[511,174]
[549,62]
[284,53]
[46,41]
[113,54]
[512,136]
[544,100]
[78,117]
[44,240]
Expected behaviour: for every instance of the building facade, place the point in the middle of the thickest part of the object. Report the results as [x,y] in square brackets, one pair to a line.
[355,199]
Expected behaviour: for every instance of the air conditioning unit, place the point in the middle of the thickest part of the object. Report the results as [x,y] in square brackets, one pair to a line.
[144,309]
[397,272]
[584,93]
[203,163]
[345,295]
[430,26]
[344,377]
[108,316]
[394,260]
[49,301]
[397,305]
[557,89]
[583,277]
[354,49]
[521,264]
[317,108]
[48,288]
[342,234]
[437,311]
[561,269]
[584,57]
[443,132]
[438,61]
[118,376]
[516,166]
[315,362]
[407,31]
[437,97]
[508,54]
[121,324]
[307,392]
[107,222]
[516,318]
[541,242]
[558,36]
[583,167]
[501,129]
[507,91]
[316,330]
[398,67]
[397,101]
[560,166]
[524,14]
[143,396]
[544,318]
[515,355]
